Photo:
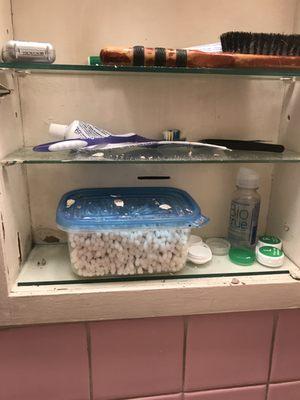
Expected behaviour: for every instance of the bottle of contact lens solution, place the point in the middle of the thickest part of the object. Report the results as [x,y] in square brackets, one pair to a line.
[244,210]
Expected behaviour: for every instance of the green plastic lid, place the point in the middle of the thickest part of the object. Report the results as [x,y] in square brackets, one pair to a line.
[271,251]
[241,256]
[269,239]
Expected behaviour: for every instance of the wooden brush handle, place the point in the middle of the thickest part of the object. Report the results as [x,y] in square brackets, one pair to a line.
[148,56]
[261,61]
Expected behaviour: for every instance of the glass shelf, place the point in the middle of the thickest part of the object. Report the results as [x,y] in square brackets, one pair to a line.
[95,69]
[50,265]
[142,155]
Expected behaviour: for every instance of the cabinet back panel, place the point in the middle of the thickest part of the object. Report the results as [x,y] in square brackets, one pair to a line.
[199,106]
[210,185]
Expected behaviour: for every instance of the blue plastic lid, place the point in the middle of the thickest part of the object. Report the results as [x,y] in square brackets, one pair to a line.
[122,208]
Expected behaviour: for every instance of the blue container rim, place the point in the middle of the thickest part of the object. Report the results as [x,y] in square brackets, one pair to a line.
[69,219]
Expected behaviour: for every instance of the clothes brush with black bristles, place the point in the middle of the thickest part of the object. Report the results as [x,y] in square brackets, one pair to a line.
[273,44]
[240,50]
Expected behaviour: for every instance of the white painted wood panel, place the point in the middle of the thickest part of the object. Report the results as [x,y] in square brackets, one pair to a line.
[297,17]
[284,215]
[152,299]
[15,226]
[201,106]
[15,220]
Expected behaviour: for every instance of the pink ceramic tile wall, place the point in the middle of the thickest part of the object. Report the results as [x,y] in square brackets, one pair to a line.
[241,356]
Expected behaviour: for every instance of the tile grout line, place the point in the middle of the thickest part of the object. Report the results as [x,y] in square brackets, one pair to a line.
[283,382]
[12,18]
[150,396]
[241,386]
[275,323]
[185,327]
[89,352]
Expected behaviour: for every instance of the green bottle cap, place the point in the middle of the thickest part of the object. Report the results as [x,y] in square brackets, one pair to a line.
[271,251]
[94,60]
[269,240]
[241,256]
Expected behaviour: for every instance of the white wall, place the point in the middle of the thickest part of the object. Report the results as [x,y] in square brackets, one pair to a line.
[79,28]
[297,17]
[200,106]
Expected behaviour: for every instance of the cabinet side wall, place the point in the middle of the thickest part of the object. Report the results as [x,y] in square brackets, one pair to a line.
[284,216]
[14,209]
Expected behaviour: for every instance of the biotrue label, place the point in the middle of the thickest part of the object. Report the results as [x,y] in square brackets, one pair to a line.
[244,210]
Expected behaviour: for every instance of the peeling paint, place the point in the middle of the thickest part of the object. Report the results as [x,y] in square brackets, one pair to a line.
[42,262]
[51,239]
[10,163]
[20,257]
[2,227]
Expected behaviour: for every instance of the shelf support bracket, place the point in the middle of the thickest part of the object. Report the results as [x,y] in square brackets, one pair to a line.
[295,273]
[288,90]
[4,91]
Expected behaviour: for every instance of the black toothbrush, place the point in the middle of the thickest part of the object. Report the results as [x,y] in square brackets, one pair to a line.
[250,145]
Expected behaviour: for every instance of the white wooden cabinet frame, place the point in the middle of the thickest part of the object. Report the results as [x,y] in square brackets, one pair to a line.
[79,302]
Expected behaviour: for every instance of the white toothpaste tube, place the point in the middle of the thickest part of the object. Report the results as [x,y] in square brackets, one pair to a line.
[77,129]
[82,135]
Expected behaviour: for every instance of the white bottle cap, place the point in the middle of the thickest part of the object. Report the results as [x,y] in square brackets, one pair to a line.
[247,179]
[58,130]
[199,253]
[193,239]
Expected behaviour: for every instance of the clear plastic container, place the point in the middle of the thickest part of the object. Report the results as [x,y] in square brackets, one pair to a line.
[128,231]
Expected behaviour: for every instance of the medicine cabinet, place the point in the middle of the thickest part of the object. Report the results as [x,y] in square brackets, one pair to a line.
[37,284]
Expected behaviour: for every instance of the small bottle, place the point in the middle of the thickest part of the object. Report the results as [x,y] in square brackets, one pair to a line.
[244,210]
[77,129]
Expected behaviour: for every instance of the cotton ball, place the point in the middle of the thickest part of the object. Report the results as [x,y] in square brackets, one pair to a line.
[128,252]
[112,269]
[137,262]
[98,254]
